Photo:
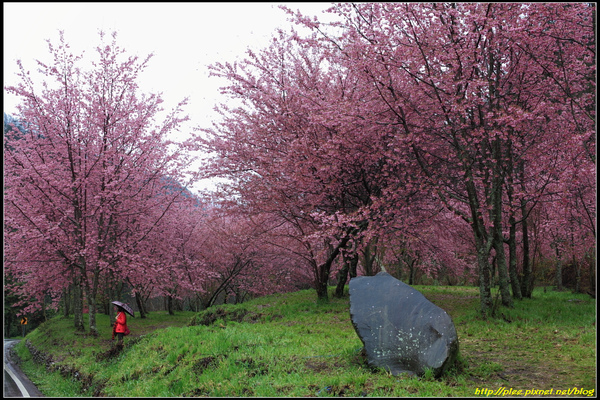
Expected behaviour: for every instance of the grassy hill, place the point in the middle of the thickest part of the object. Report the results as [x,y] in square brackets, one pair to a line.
[289,345]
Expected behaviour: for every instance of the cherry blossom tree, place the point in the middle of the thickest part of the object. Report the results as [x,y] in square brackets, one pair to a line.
[478,91]
[90,181]
[240,258]
[475,104]
[287,152]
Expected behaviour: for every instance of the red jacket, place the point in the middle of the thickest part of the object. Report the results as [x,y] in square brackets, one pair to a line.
[121,324]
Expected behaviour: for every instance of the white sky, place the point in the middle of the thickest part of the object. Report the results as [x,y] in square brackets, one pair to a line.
[184,37]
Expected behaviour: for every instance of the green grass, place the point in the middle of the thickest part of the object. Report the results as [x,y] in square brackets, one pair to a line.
[290,345]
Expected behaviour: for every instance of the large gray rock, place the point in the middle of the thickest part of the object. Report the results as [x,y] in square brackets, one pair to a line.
[401,330]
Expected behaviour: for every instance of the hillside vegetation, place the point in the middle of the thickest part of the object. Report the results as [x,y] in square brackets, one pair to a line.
[291,345]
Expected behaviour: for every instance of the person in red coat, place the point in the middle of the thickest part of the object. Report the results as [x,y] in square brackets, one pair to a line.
[120,326]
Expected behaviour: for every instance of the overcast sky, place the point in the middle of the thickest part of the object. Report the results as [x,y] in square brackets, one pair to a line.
[184,37]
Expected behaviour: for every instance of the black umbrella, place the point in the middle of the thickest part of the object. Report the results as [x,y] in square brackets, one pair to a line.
[125,307]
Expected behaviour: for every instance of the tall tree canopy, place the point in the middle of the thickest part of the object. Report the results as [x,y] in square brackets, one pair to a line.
[93,176]
[375,123]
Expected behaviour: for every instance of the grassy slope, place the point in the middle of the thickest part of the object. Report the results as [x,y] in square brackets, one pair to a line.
[288,345]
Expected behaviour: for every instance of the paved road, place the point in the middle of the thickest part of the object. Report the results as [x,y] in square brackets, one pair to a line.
[16,384]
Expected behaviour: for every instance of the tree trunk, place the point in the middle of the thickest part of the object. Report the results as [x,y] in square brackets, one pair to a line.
[369,254]
[353,266]
[142,304]
[43,299]
[512,260]
[526,281]
[92,314]
[139,298]
[323,277]
[67,301]
[485,292]
[483,245]
[117,292]
[111,296]
[342,278]
[91,291]
[485,280]
[496,217]
[322,295]
[170,305]
[77,305]
[322,271]
[578,276]
[512,235]
[502,273]
[559,281]
[411,272]
[138,301]
[349,268]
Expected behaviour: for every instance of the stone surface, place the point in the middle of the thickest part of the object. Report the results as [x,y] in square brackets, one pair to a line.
[401,330]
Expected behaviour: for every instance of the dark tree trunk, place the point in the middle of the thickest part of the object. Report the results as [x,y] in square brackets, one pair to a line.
[139,302]
[67,302]
[369,254]
[527,279]
[559,280]
[577,276]
[483,245]
[496,217]
[485,293]
[323,277]
[502,273]
[77,304]
[170,305]
[349,268]
[322,271]
[411,272]
[512,261]
[512,236]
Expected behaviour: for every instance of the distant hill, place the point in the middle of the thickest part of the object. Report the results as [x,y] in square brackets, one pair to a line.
[9,121]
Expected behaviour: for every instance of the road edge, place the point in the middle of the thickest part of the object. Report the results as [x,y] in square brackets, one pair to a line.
[12,367]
